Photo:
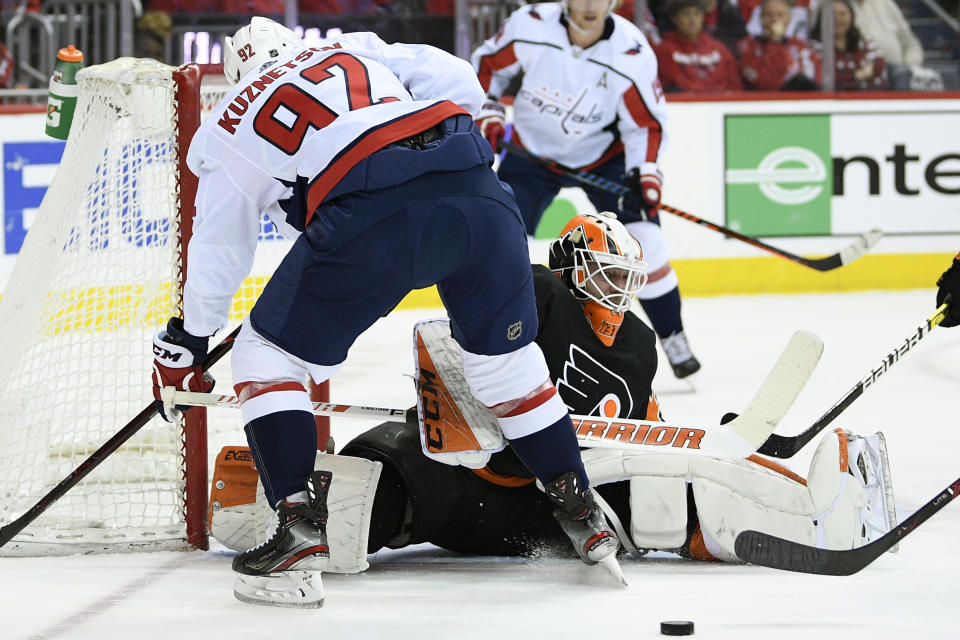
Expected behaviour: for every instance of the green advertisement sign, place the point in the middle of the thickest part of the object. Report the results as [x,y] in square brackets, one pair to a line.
[778,174]
[555,218]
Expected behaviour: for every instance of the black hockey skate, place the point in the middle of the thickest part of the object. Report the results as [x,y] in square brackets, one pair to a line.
[584,523]
[682,360]
[285,570]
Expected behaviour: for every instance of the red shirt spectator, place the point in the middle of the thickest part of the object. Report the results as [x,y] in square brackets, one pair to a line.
[799,17]
[6,68]
[704,64]
[766,65]
[9,6]
[689,59]
[775,61]
[859,64]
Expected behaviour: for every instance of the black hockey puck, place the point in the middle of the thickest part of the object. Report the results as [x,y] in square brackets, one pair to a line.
[676,628]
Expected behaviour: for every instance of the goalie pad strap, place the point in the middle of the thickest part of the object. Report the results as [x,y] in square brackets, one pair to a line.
[504,481]
[778,468]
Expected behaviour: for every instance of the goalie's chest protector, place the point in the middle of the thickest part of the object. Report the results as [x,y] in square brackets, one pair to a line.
[592,378]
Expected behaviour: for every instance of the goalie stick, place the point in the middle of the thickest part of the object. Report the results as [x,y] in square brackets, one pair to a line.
[770,551]
[786,446]
[738,438]
[848,254]
[7,532]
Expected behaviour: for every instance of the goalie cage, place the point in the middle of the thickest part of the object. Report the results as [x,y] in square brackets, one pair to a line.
[99,272]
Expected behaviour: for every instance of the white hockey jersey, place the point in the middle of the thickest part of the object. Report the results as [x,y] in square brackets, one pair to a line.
[577,106]
[290,131]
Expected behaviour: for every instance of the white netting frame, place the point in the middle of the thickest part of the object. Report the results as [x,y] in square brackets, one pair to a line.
[74,340]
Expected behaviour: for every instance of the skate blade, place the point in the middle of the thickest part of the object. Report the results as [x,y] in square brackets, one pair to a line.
[294,589]
[691,382]
[613,568]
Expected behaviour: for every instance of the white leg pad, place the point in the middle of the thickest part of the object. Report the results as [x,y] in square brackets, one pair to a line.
[658,512]
[349,505]
[733,495]
[723,513]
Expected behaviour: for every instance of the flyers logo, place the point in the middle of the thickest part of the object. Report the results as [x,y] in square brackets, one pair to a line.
[587,387]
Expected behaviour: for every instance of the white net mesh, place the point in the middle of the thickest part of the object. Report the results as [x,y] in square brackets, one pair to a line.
[96,277]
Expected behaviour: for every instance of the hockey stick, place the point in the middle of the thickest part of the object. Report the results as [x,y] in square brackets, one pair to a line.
[7,532]
[845,256]
[770,551]
[786,446]
[738,438]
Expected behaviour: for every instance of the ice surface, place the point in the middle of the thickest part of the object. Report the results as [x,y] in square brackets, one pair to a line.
[424,592]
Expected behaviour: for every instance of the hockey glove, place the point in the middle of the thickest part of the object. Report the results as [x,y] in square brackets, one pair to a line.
[949,284]
[178,358]
[644,197]
[492,123]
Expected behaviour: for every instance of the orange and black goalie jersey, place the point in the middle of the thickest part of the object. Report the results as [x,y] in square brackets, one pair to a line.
[593,379]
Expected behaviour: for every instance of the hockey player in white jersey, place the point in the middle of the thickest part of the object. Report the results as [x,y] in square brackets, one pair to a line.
[367,154]
[589,98]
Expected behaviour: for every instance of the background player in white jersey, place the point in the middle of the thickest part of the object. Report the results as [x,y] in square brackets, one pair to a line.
[949,285]
[368,155]
[602,359]
[589,98]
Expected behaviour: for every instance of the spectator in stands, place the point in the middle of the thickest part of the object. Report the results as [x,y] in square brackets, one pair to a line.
[798,25]
[691,60]
[10,6]
[6,67]
[775,61]
[723,21]
[153,34]
[884,23]
[649,26]
[858,63]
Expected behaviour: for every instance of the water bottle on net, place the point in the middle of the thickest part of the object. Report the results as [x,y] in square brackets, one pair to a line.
[62,98]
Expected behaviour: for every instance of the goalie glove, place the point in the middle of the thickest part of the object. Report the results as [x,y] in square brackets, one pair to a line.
[949,285]
[644,197]
[492,123]
[178,359]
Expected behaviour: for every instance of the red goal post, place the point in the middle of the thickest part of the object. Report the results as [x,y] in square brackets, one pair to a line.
[100,271]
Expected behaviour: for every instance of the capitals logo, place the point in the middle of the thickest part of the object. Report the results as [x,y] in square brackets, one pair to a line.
[587,387]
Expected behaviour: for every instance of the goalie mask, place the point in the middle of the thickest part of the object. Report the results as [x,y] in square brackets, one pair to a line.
[603,265]
[256,44]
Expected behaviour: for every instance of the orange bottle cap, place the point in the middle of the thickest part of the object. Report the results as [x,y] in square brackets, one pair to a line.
[70,54]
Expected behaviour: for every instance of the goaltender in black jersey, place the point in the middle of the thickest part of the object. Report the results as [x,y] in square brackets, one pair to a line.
[388,491]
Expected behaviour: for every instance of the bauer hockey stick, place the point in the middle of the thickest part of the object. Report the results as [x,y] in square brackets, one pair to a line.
[858,248]
[786,446]
[7,532]
[738,438]
[770,551]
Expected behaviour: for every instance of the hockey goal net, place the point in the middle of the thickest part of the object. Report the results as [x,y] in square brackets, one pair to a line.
[100,271]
